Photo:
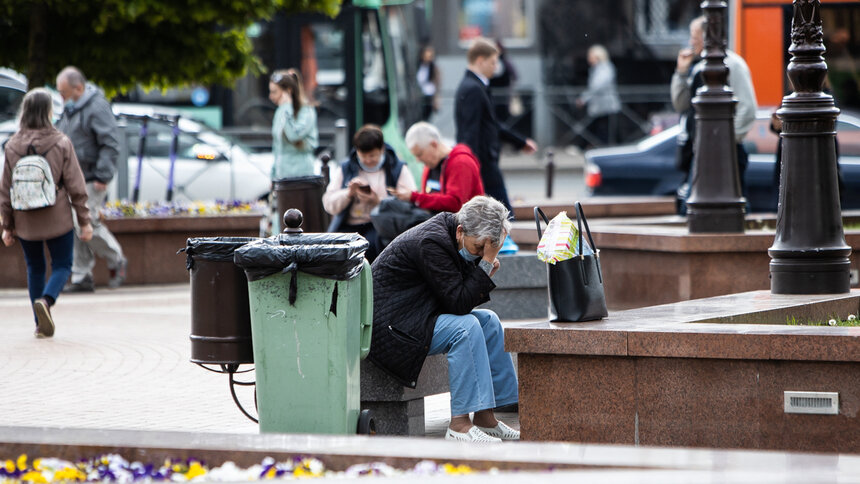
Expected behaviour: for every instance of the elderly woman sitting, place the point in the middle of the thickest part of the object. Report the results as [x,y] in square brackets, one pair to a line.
[426,285]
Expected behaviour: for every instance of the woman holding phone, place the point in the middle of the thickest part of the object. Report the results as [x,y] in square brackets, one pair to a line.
[362,182]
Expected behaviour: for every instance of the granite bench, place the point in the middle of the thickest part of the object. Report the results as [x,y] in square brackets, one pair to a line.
[520,291]
[399,410]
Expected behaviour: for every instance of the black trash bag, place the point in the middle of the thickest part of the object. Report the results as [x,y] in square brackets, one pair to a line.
[212,249]
[335,256]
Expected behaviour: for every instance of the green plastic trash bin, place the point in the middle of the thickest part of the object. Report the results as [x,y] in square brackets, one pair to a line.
[311,303]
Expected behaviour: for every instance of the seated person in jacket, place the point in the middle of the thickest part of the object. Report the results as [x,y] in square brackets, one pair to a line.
[362,181]
[426,285]
[451,176]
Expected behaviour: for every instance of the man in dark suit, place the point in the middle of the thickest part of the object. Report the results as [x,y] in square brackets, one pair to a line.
[476,122]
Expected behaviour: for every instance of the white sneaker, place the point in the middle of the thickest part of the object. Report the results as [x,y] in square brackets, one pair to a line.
[501,431]
[473,435]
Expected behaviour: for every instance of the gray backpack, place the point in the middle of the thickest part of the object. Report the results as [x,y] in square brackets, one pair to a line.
[33,183]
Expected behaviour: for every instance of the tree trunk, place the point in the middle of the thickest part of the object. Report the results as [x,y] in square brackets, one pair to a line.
[38,45]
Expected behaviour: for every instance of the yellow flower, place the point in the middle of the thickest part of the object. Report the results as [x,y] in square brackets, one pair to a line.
[460,469]
[10,466]
[69,474]
[34,476]
[22,462]
[37,464]
[270,474]
[194,470]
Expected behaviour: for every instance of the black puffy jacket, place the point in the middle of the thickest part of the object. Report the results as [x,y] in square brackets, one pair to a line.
[419,276]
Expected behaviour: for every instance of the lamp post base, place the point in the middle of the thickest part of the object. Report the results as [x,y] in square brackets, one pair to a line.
[810,276]
[704,219]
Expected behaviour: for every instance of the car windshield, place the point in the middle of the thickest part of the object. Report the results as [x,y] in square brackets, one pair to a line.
[10,99]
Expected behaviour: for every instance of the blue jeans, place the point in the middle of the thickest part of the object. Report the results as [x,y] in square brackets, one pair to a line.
[61,249]
[480,374]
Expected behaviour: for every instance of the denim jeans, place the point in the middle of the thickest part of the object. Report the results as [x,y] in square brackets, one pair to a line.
[480,373]
[61,249]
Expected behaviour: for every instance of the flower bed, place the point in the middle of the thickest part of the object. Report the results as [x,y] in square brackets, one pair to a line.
[114,468]
[125,209]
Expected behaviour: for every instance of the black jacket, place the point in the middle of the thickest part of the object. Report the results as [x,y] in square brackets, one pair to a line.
[476,122]
[419,276]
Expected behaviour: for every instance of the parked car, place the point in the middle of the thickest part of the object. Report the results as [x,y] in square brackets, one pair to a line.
[208,165]
[648,167]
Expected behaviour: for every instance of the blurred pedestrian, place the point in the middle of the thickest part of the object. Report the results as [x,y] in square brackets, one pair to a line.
[426,286]
[686,80]
[429,80]
[501,85]
[476,122]
[362,181]
[294,135]
[451,175]
[89,122]
[52,224]
[601,97]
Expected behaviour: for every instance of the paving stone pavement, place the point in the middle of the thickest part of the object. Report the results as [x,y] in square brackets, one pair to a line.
[120,360]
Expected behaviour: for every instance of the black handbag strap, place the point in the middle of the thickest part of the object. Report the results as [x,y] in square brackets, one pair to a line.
[538,211]
[580,219]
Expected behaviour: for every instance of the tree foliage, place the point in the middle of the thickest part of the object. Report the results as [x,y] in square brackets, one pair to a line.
[119,44]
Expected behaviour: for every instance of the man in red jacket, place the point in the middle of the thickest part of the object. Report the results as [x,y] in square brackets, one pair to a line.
[451,176]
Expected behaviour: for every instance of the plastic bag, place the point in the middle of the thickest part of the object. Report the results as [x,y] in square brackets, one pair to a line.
[212,249]
[559,240]
[335,256]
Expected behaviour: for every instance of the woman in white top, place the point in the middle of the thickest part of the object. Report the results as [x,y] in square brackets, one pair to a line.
[363,180]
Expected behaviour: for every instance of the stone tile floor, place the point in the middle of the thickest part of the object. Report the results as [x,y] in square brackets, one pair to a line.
[120,360]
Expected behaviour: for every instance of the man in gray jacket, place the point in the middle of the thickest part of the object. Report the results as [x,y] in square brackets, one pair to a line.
[89,122]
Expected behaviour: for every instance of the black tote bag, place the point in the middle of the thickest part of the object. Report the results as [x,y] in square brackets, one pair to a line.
[575,286]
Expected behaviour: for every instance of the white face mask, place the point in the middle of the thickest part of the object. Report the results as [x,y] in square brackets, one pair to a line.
[375,168]
[468,256]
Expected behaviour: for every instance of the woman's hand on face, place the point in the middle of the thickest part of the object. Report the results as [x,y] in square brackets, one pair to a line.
[8,237]
[86,233]
[491,251]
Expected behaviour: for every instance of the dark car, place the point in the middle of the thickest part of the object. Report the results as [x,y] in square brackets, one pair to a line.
[648,167]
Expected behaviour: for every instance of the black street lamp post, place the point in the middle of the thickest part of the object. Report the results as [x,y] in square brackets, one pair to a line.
[715,203]
[809,254]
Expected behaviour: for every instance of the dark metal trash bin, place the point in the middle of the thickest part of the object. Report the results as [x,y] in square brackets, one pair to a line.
[220,314]
[304,193]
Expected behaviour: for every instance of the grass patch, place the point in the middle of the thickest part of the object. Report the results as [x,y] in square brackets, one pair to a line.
[851,320]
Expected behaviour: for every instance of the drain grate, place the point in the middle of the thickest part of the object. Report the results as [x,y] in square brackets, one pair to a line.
[818,403]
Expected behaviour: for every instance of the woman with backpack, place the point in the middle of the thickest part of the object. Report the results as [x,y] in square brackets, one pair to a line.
[41,184]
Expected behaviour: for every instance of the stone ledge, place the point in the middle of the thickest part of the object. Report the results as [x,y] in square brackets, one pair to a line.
[149,244]
[726,327]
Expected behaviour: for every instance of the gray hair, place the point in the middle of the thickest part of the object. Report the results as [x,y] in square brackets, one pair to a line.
[73,76]
[599,52]
[421,134]
[484,218]
[36,110]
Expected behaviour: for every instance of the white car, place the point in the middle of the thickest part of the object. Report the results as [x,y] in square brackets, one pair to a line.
[208,166]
